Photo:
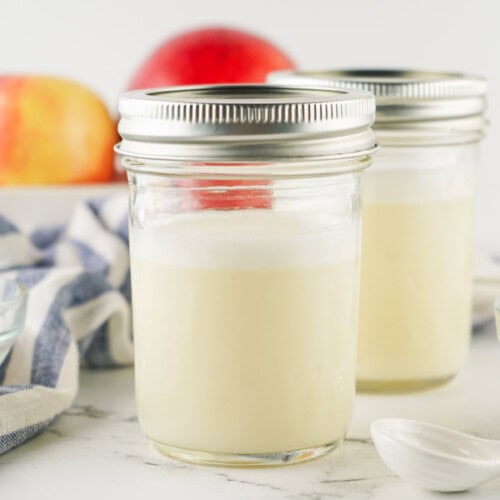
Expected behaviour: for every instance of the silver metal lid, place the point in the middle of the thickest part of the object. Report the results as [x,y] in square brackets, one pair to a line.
[246,122]
[409,100]
[403,95]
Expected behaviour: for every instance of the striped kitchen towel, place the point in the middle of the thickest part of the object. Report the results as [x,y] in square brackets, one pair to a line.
[78,312]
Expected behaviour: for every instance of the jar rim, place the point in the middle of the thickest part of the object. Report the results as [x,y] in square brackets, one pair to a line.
[283,169]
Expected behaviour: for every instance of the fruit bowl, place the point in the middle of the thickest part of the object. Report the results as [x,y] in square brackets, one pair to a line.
[30,207]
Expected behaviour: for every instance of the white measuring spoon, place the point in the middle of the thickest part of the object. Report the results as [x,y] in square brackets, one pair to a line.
[434,457]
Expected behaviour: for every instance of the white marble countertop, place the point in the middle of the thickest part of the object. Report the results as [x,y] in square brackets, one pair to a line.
[96,449]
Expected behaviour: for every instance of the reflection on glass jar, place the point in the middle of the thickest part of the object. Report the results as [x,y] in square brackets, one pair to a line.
[245,274]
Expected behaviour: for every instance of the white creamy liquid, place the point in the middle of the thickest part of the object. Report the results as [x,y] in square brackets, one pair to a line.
[415,296]
[245,332]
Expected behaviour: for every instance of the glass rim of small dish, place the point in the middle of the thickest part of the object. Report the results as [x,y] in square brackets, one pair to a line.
[20,296]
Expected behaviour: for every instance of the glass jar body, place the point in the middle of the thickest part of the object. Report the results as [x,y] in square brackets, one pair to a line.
[415,309]
[245,304]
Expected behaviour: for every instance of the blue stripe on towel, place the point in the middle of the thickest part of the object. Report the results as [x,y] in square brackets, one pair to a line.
[126,287]
[88,286]
[96,351]
[53,340]
[6,226]
[95,205]
[46,236]
[30,276]
[90,260]
[122,229]
[48,257]
[11,389]
[9,441]
[3,368]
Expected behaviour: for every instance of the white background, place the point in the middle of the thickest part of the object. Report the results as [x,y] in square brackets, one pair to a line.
[101,42]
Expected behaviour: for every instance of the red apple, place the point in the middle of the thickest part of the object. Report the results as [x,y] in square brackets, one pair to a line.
[210,55]
[214,55]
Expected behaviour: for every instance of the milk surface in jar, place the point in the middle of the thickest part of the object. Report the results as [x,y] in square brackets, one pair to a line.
[418,199]
[244,246]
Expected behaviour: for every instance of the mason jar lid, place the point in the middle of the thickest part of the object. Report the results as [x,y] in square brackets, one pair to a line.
[441,107]
[210,123]
[403,95]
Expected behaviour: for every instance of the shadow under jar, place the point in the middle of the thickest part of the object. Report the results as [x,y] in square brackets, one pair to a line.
[244,245]
[418,207]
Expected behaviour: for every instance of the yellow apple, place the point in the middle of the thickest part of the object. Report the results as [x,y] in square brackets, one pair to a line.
[53,131]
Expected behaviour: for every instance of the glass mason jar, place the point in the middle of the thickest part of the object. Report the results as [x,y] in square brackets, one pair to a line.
[418,206]
[244,246]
